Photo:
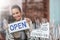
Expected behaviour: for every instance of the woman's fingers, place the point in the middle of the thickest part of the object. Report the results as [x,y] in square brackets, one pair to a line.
[28,20]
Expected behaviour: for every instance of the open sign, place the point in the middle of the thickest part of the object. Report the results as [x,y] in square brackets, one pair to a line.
[18,26]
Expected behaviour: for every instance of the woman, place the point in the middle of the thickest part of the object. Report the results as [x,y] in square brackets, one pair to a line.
[17,16]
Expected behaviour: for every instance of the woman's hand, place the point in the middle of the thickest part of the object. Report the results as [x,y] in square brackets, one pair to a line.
[30,23]
[28,20]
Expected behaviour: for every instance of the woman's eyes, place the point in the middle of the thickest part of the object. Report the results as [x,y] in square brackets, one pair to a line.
[15,13]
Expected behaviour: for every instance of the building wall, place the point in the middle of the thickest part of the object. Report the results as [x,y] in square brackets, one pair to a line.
[55,11]
[55,14]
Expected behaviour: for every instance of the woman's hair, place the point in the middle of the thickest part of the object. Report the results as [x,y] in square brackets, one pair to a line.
[16,6]
[11,19]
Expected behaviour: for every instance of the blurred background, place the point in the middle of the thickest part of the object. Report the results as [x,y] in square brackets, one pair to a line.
[35,9]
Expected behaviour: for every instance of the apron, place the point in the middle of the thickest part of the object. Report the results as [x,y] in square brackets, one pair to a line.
[20,35]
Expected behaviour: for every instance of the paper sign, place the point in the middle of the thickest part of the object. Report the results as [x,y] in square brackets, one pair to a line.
[18,26]
[42,32]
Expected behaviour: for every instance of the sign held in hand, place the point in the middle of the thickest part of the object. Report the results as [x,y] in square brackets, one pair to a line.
[18,26]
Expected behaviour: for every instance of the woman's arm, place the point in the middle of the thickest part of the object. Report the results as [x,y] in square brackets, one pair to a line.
[30,23]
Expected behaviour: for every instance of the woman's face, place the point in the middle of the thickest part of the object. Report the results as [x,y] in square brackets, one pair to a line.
[16,14]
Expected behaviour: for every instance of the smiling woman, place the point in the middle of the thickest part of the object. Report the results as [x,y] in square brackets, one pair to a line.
[16,13]
[22,26]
